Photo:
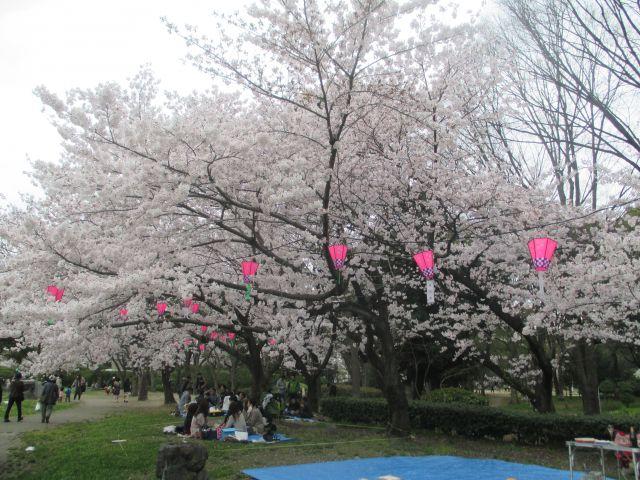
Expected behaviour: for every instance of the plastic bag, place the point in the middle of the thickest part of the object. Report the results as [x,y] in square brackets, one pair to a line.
[38,407]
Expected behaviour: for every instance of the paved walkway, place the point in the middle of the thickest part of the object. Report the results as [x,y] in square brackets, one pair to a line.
[92,407]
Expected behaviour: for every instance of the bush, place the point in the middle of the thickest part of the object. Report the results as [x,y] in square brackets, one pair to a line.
[608,388]
[478,422]
[457,395]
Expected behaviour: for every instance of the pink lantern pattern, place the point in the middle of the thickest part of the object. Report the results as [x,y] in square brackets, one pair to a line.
[124,313]
[249,269]
[338,254]
[161,307]
[425,263]
[55,292]
[201,347]
[542,250]
[203,329]
[195,307]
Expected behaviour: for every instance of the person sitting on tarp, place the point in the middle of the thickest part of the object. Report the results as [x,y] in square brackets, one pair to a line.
[235,418]
[293,407]
[185,428]
[253,416]
[199,426]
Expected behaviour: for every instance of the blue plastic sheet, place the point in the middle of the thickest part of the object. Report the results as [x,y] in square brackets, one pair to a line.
[411,468]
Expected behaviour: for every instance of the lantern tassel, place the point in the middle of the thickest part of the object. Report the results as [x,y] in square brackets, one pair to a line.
[431,290]
[541,285]
[247,294]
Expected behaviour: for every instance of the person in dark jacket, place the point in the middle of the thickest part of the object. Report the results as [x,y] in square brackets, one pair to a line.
[16,395]
[48,398]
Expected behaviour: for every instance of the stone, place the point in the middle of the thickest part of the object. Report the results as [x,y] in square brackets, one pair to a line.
[182,461]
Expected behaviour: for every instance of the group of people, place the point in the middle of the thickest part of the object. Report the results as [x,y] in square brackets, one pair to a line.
[115,387]
[51,393]
[241,412]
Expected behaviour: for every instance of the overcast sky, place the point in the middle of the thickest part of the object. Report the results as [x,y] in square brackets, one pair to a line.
[65,44]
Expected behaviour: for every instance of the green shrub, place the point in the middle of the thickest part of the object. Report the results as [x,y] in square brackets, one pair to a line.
[478,422]
[457,395]
[608,388]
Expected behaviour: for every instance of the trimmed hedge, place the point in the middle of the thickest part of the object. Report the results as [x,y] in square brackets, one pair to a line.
[457,395]
[478,422]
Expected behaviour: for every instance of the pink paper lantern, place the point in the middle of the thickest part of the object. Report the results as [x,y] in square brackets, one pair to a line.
[222,337]
[231,336]
[214,335]
[272,341]
[338,254]
[249,269]
[541,250]
[203,329]
[195,307]
[425,263]
[161,307]
[56,292]
[201,347]
[124,312]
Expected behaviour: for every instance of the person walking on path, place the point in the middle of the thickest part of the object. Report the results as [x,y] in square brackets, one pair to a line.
[126,388]
[48,398]
[16,395]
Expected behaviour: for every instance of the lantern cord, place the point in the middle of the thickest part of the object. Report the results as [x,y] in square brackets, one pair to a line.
[247,295]
[541,284]
[339,277]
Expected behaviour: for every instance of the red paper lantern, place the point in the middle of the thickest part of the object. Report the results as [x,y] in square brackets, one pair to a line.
[195,307]
[124,312]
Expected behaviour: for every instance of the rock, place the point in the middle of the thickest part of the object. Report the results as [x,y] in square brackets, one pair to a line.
[182,461]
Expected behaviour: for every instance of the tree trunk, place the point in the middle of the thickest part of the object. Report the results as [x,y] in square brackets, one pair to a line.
[143,386]
[543,401]
[169,399]
[585,365]
[355,370]
[232,373]
[314,391]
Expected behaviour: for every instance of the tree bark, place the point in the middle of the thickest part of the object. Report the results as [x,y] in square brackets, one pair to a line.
[585,365]
[169,399]
[314,391]
[143,386]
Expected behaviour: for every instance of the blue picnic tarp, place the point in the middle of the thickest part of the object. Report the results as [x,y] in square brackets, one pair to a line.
[411,468]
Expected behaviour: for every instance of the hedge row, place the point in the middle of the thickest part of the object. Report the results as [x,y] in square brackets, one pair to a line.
[478,422]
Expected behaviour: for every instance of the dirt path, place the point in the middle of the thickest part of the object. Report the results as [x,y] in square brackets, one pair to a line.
[92,407]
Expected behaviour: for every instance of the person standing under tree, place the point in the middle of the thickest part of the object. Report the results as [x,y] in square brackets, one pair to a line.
[16,395]
[77,388]
[48,398]
[126,388]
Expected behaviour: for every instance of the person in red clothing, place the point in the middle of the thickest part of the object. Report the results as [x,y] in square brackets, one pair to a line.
[16,395]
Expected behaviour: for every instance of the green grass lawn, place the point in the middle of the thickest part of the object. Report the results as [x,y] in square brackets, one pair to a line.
[85,450]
